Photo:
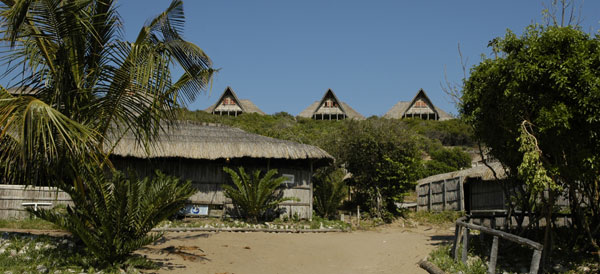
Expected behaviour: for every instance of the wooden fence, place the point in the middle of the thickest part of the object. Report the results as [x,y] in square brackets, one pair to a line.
[441,195]
[15,198]
[462,232]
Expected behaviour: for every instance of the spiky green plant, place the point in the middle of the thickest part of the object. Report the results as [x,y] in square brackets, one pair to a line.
[330,191]
[254,196]
[115,213]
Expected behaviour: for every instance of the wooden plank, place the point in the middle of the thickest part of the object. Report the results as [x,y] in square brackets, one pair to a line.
[460,195]
[429,198]
[444,195]
[493,256]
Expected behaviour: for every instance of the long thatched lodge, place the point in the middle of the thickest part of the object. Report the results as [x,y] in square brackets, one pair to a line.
[198,152]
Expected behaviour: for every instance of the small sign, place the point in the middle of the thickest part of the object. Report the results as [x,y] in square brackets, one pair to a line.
[289,180]
[197,210]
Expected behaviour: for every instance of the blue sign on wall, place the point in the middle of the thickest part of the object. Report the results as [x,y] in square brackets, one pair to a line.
[197,210]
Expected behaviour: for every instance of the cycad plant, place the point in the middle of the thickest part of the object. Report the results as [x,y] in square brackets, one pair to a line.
[115,213]
[255,196]
[330,191]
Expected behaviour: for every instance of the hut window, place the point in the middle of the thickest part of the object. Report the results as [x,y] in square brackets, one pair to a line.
[420,104]
[289,180]
[228,101]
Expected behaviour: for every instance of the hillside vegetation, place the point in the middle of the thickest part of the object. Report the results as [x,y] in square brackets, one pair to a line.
[385,156]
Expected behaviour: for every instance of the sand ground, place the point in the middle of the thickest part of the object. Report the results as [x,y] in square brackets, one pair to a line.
[388,249]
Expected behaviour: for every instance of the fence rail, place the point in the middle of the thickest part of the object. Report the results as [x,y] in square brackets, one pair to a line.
[462,232]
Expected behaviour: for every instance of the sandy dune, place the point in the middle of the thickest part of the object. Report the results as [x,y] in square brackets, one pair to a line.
[390,249]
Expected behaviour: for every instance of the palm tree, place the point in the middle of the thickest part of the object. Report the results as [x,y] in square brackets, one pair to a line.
[79,87]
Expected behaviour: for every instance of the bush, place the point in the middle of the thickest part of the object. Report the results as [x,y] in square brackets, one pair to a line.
[330,191]
[113,213]
[255,197]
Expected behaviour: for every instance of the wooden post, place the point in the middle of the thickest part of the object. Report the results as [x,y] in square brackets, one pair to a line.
[444,195]
[493,256]
[460,195]
[429,198]
[535,261]
[465,246]
[310,183]
[455,247]
[357,215]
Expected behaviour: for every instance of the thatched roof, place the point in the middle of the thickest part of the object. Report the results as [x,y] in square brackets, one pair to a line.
[481,171]
[342,108]
[210,141]
[245,105]
[401,108]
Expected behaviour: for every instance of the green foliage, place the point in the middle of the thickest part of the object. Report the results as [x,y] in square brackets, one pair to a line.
[441,257]
[329,191]
[549,77]
[384,161]
[114,213]
[26,253]
[446,160]
[255,197]
[30,223]
[436,218]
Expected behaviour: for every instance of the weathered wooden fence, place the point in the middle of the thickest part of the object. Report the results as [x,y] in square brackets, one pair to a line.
[15,198]
[462,232]
[445,194]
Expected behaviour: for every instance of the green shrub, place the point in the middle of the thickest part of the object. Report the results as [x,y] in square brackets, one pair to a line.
[330,190]
[113,213]
[441,257]
[255,197]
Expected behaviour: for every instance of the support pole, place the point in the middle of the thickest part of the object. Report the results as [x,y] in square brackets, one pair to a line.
[465,246]
[535,261]
[493,256]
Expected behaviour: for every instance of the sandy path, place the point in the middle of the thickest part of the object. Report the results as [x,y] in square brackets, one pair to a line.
[391,249]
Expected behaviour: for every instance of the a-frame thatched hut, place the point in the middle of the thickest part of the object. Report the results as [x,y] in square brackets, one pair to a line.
[420,107]
[229,104]
[330,108]
[198,152]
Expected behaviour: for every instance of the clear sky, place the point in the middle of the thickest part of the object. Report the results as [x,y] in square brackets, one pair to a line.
[283,55]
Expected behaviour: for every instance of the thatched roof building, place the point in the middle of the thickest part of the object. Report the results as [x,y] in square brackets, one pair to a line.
[330,108]
[420,107]
[229,104]
[472,189]
[198,152]
[191,140]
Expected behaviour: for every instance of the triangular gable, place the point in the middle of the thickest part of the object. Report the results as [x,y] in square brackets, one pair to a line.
[229,93]
[330,94]
[421,96]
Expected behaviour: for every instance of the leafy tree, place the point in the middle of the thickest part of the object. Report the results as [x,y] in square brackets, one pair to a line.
[116,213]
[255,197]
[536,105]
[384,161]
[446,160]
[329,191]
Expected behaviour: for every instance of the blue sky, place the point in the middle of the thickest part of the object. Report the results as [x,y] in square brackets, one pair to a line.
[283,55]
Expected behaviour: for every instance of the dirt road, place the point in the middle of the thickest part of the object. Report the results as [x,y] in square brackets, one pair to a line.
[390,249]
